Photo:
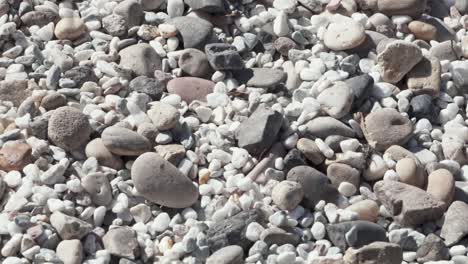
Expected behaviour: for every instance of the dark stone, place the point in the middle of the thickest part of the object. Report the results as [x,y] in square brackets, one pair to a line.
[231,231]
[355,234]
[80,75]
[39,127]
[293,159]
[260,77]
[432,249]
[421,106]
[39,18]
[278,236]
[460,76]
[209,6]
[360,85]
[147,85]
[223,57]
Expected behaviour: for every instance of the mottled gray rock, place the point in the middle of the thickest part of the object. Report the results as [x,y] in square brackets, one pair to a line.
[125,142]
[223,57]
[69,128]
[397,59]
[259,131]
[121,242]
[364,233]
[81,74]
[194,31]
[141,58]
[194,63]
[53,101]
[455,225]
[425,77]
[190,88]
[338,173]
[278,236]
[227,255]
[131,11]
[287,195]
[69,227]
[70,251]
[377,252]
[15,91]
[98,186]
[337,100]
[432,249]
[160,182]
[164,116]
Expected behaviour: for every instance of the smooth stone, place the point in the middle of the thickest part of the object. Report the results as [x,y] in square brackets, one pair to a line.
[195,63]
[161,182]
[413,8]
[70,251]
[424,78]
[39,18]
[53,101]
[446,51]
[68,128]
[407,171]
[278,236]
[124,142]
[337,100]
[367,210]
[344,35]
[69,227]
[15,155]
[324,126]
[462,6]
[141,58]
[70,28]
[422,30]
[194,31]
[209,6]
[315,184]
[190,88]
[397,59]
[441,185]
[364,233]
[15,91]
[287,195]
[131,11]
[260,77]
[432,249]
[409,205]
[386,127]
[455,225]
[309,149]
[150,86]
[231,231]
[96,149]
[164,116]
[98,186]
[223,57]
[338,173]
[258,133]
[376,252]
[444,31]
[227,255]
[121,242]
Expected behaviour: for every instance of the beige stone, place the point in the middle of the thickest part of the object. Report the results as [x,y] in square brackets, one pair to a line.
[441,185]
[367,210]
[70,28]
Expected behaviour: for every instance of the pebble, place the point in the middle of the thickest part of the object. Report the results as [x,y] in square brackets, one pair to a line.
[407,171]
[344,35]
[69,227]
[70,251]
[454,226]
[125,142]
[227,255]
[397,59]
[287,195]
[194,31]
[441,185]
[96,148]
[260,77]
[164,116]
[141,58]
[68,128]
[382,252]
[121,242]
[190,88]
[15,155]
[337,100]
[367,210]
[194,63]
[70,28]
[223,57]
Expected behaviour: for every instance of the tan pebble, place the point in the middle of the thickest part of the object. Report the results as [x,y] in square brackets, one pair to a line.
[407,171]
[367,210]
[441,185]
[70,28]
[422,30]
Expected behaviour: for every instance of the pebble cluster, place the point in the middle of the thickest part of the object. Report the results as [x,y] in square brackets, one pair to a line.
[234,131]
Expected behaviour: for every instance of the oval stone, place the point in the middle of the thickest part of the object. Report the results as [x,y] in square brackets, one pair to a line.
[125,142]
[161,182]
[69,128]
[441,184]
[96,149]
[344,35]
[190,88]
[70,28]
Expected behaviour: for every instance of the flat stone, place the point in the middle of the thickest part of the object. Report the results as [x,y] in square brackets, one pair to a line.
[141,58]
[124,142]
[98,186]
[364,233]
[338,173]
[96,149]
[150,86]
[15,155]
[194,31]
[432,249]
[424,78]
[376,252]
[15,91]
[386,127]
[231,231]
[344,35]
[53,101]
[223,57]
[121,242]
[315,184]
[258,133]
[69,227]
[413,8]
[455,225]
[441,185]
[190,88]
[367,210]
[195,63]
[69,128]
[70,28]
[324,126]
[131,11]
[164,116]
[310,150]
[260,77]
[209,6]
[409,205]
[337,233]
[161,182]
[70,251]
[287,195]
[278,236]
[227,255]
[397,59]
[422,30]
[337,100]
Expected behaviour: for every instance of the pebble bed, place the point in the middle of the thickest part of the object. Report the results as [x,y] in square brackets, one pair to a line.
[234,131]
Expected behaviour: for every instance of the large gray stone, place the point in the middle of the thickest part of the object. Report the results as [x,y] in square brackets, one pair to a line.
[124,142]
[194,31]
[141,58]
[455,225]
[69,128]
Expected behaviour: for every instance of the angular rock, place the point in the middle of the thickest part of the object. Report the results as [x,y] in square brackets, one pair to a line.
[69,227]
[15,155]
[194,31]
[70,251]
[397,59]
[260,77]
[194,63]
[15,91]
[425,77]
[324,126]
[316,185]
[409,205]
[80,75]
[141,58]
[124,142]
[338,233]
[455,225]
[309,149]
[337,100]
[223,57]
[446,50]
[386,127]
[338,173]
[258,133]
[364,233]
[360,85]
[160,182]
[131,11]
[227,255]
[121,242]
[278,236]
[98,186]
[69,128]
[377,252]
[287,195]
[173,153]
[164,116]
[150,86]
[432,249]
[190,88]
